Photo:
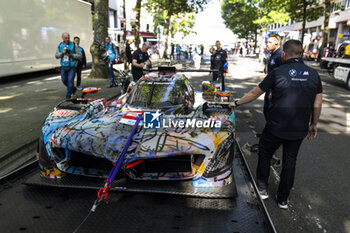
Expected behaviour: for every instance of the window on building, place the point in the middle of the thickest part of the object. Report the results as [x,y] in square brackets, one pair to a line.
[147,28]
[112,19]
[336,7]
[347,4]
[118,39]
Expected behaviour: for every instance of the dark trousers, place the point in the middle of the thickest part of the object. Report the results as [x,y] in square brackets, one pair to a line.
[67,77]
[267,146]
[219,75]
[79,68]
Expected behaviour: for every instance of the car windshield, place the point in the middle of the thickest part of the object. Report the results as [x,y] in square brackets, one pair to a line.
[157,94]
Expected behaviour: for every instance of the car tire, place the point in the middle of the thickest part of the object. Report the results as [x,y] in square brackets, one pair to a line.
[348,82]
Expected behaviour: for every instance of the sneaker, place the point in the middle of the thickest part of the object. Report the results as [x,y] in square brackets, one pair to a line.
[263,194]
[283,205]
[79,88]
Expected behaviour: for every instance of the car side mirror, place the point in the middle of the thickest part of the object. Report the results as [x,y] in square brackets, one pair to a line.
[89,90]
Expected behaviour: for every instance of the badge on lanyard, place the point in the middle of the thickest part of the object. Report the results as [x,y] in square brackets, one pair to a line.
[65,58]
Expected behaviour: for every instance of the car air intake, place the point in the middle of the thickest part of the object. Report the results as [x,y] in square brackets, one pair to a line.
[170,164]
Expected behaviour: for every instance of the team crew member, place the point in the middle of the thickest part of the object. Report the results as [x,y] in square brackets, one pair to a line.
[69,54]
[112,58]
[81,62]
[128,53]
[296,108]
[275,60]
[219,59]
[140,59]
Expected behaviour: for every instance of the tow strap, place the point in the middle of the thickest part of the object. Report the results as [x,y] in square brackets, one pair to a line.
[103,192]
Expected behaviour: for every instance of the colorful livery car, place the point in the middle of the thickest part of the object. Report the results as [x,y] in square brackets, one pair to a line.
[181,136]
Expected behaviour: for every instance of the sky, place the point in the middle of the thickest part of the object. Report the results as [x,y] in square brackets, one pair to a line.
[210,26]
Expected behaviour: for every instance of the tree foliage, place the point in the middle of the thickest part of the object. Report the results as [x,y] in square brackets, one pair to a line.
[239,16]
[304,11]
[244,17]
[172,8]
[183,23]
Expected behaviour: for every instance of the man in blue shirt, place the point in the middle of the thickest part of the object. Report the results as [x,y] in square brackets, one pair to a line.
[69,54]
[112,56]
[294,114]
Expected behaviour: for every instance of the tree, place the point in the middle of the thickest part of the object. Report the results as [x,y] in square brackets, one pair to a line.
[124,36]
[137,23]
[303,11]
[327,14]
[271,11]
[173,8]
[239,16]
[244,17]
[182,23]
[98,48]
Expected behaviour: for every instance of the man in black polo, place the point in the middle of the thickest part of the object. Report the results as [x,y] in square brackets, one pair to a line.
[140,59]
[275,60]
[219,59]
[296,108]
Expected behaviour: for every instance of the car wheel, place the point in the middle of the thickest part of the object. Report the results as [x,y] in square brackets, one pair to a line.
[341,51]
[348,82]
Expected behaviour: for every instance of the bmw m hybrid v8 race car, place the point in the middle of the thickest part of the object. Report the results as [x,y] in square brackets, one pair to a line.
[181,136]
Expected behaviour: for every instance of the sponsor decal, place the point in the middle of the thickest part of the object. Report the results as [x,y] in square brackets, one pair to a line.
[130,117]
[299,79]
[304,73]
[62,112]
[293,72]
[153,120]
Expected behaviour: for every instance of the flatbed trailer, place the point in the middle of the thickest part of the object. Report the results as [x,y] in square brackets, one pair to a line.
[339,68]
[28,205]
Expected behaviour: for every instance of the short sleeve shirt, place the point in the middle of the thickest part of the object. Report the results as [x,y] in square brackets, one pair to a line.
[275,60]
[294,88]
[219,59]
[140,57]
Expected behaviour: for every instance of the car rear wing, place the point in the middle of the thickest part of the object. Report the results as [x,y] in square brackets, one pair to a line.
[172,70]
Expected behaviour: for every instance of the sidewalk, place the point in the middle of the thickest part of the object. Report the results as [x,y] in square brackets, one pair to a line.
[25,104]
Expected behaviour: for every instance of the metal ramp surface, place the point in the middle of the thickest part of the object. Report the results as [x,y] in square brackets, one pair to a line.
[26,208]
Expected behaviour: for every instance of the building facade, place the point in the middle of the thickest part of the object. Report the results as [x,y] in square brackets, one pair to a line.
[339,27]
[116,22]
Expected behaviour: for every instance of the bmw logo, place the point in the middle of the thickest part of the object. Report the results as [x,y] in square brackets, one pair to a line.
[293,72]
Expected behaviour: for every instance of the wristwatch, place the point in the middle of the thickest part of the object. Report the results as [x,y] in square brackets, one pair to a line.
[236,103]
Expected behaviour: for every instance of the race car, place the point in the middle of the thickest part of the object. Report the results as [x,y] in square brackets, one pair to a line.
[181,136]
